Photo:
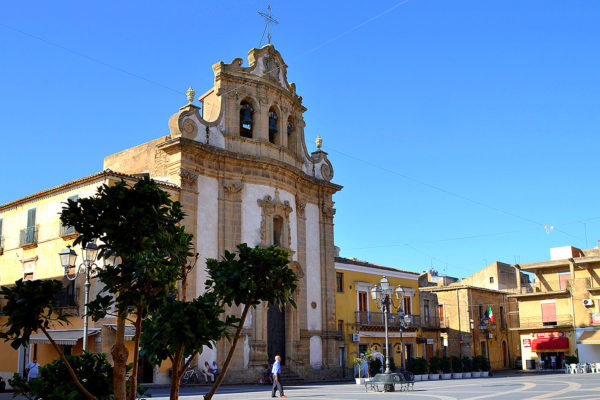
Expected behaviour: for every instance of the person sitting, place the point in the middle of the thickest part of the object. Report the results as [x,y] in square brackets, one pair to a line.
[267,380]
[214,369]
[206,373]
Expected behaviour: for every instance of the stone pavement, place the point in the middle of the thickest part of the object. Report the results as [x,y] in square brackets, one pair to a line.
[505,387]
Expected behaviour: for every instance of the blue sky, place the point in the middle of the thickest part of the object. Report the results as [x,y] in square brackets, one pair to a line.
[459,130]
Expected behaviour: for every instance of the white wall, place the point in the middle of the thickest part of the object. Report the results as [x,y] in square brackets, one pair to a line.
[316,352]
[207,228]
[313,267]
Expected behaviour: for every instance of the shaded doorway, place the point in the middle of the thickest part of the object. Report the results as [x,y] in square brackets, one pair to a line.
[275,333]
[145,371]
[504,355]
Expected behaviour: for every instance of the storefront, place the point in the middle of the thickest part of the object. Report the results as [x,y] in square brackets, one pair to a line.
[544,350]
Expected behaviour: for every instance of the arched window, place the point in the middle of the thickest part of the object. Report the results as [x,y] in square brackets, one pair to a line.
[273,130]
[291,137]
[246,119]
[277,231]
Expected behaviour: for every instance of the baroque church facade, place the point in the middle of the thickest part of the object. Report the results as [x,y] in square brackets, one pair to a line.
[246,176]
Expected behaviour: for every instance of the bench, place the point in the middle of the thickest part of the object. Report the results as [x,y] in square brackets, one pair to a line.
[405,382]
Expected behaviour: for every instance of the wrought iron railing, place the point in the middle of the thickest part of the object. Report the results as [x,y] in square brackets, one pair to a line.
[66,230]
[433,322]
[377,319]
[537,322]
[29,235]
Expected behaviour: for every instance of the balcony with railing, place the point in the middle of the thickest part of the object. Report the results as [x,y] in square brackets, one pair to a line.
[433,322]
[66,230]
[28,236]
[537,322]
[375,320]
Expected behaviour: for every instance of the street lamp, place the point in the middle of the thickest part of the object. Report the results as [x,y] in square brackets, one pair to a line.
[382,294]
[487,328]
[68,260]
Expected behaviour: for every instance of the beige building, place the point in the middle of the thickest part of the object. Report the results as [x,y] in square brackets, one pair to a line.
[560,315]
[31,238]
[238,163]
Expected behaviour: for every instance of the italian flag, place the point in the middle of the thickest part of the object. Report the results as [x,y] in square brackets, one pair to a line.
[490,314]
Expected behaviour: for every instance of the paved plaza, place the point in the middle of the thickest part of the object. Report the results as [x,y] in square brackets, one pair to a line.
[534,386]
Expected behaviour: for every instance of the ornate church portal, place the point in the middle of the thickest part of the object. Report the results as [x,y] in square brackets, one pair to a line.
[245,176]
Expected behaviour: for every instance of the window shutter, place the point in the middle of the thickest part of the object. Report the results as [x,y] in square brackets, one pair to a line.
[562,280]
[0,226]
[548,312]
[31,217]
[74,197]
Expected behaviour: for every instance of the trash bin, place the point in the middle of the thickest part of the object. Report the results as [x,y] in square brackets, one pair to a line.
[530,364]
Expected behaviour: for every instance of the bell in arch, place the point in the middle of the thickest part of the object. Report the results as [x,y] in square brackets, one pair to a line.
[272,122]
[246,114]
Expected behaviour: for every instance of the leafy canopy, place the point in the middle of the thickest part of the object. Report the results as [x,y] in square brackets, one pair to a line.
[194,324]
[140,224]
[253,275]
[30,305]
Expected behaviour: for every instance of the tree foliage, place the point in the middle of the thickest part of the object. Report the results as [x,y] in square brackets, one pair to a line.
[30,305]
[253,275]
[93,370]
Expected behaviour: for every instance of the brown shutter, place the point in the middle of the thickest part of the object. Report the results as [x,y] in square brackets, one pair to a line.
[548,312]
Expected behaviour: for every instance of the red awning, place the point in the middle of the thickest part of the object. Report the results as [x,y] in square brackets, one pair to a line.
[550,344]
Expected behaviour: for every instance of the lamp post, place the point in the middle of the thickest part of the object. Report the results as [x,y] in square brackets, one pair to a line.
[487,328]
[68,260]
[382,294]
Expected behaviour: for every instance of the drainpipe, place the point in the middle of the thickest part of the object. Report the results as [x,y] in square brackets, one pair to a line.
[459,330]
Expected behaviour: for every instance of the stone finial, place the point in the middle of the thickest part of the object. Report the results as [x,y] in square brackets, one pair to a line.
[319,142]
[190,95]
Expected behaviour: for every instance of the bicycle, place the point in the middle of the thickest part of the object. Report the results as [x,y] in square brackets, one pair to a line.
[190,376]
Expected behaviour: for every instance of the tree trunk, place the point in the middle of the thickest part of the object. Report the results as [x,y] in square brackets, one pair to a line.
[236,338]
[119,354]
[85,392]
[133,378]
[177,374]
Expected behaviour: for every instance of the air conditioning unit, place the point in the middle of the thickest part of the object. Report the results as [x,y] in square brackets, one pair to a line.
[588,302]
[354,337]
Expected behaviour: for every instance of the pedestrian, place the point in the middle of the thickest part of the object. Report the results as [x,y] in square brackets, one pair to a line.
[276,371]
[32,370]
[214,369]
[553,361]
[206,373]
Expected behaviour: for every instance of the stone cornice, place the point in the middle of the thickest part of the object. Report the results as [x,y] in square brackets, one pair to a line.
[107,173]
[183,145]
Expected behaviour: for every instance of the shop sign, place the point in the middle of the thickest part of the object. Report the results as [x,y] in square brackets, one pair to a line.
[549,335]
[429,341]
[526,342]
[596,318]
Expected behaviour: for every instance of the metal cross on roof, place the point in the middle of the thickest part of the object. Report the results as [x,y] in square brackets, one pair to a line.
[269,19]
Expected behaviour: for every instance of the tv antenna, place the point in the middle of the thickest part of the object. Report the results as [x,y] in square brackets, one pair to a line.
[269,18]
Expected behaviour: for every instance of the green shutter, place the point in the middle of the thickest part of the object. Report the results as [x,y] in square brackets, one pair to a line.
[31,218]
[74,197]
[0,226]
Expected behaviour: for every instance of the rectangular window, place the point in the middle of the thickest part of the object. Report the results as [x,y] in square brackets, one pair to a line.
[502,321]
[483,349]
[339,282]
[362,301]
[66,229]
[563,279]
[549,313]
[362,349]
[491,279]
[441,312]
[426,311]
[480,308]
[28,235]
[340,327]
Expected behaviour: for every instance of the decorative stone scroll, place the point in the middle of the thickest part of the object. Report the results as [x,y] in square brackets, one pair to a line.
[233,186]
[328,211]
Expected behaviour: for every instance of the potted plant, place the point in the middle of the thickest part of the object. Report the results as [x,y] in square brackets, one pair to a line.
[485,367]
[357,362]
[446,368]
[467,367]
[435,366]
[418,367]
[457,368]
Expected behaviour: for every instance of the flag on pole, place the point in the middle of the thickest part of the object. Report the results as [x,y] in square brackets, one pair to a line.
[489,314]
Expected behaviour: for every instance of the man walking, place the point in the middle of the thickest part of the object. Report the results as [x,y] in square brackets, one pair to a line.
[32,370]
[276,371]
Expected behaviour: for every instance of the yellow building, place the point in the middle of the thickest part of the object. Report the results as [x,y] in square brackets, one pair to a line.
[31,236]
[361,324]
[559,315]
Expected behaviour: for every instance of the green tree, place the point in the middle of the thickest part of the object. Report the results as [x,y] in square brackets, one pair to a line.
[91,369]
[251,276]
[139,223]
[31,307]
